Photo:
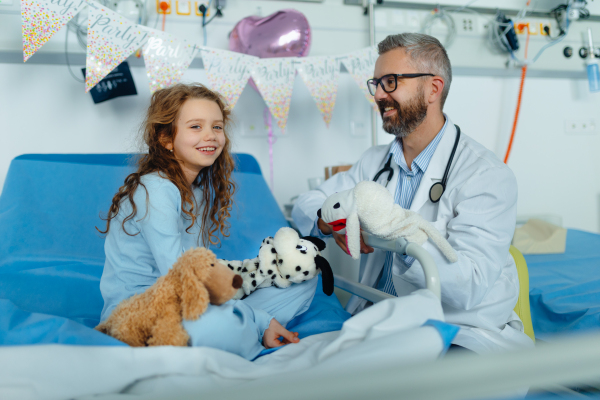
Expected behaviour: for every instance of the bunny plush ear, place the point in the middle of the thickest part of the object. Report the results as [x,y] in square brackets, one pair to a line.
[353,235]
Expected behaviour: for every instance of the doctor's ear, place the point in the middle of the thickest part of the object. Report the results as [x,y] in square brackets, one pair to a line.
[436,89]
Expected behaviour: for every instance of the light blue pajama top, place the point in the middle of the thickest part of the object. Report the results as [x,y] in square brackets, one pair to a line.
[134,263]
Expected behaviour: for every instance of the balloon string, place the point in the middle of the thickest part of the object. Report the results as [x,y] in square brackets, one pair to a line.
[268,122]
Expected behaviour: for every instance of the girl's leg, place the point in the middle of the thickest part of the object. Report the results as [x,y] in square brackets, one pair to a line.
[284,304]
[234,327]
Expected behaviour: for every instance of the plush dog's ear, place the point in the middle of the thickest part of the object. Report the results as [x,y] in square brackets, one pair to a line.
[353,235]
[194,296]
[316,241]
[326,274]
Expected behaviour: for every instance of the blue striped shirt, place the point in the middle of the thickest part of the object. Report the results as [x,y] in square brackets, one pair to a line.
[408,183]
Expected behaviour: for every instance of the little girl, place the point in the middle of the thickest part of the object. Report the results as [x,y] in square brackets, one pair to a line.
[181,194]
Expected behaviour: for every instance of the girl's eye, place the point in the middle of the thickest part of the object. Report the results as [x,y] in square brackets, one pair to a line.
[195,126]
[217,127]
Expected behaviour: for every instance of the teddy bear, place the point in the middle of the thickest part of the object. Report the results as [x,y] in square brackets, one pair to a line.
[369,206]
[154,317]
[283,259]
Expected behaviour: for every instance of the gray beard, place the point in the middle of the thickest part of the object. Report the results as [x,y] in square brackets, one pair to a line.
[408,117]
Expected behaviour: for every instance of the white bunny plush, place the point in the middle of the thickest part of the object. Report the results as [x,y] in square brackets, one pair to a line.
[282,260]
[370,207]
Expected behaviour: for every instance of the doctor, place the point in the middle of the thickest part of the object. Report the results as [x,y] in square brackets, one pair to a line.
[448,178]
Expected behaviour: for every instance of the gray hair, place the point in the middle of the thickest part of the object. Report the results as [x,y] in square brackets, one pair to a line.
[425,52]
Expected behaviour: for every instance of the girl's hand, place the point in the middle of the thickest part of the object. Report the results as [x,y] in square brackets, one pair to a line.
[274,332]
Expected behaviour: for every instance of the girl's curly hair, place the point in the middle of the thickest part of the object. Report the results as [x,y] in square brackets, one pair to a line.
[159,127]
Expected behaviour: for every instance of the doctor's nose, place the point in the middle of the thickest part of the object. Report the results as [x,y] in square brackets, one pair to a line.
[380,94]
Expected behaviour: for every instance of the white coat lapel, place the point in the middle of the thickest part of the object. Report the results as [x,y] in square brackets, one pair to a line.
[391,187]
[436,168]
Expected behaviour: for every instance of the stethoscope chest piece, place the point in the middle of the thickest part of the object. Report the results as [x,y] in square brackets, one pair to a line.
[436,192]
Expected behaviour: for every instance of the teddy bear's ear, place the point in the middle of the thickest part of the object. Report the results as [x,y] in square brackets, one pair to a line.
[194,296]
[326,274]
[316,241]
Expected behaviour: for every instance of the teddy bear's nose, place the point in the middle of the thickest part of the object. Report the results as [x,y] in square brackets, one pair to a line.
[237,282]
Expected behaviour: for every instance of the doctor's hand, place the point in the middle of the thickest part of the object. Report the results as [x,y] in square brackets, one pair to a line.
[274,332]
[341,239]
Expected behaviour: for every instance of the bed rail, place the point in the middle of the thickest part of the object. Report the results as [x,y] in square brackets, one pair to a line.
[400,246]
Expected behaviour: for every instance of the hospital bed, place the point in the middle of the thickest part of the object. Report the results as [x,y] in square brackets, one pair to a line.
[51,260]
[49,301]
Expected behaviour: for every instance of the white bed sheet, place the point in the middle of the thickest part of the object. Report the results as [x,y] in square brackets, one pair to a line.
[388,333]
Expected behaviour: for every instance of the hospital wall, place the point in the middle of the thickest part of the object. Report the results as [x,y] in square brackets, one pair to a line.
[44,110]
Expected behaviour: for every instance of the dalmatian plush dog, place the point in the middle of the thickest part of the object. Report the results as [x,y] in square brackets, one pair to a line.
[282,260]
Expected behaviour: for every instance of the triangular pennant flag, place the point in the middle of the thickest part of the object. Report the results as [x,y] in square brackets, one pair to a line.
[361,65]
[274,78]
[111,39]
[321,75]
[227,72]
[41,19]
[167,58]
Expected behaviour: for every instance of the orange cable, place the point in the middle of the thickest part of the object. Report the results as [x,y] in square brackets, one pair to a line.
[514,128]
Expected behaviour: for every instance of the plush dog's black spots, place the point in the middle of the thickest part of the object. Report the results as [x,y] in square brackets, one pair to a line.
[260,270]
[252,275]
[305,273]
[269,272]
[274,262]
[230,266]
[273,250]
[256,264]
[298,268]
[287,277]
[281,261]
[254,283]
[315,248]
[273,277]
[336,205]
[239,268]
[303,251]
[245,269]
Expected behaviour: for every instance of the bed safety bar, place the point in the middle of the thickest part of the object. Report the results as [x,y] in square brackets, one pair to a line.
[400,246]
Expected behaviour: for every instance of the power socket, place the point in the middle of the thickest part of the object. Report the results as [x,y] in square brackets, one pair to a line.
[583,126]
[469,24]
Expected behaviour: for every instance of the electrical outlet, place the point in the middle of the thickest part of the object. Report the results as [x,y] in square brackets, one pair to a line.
[469,24]
[584,126]
[357,128]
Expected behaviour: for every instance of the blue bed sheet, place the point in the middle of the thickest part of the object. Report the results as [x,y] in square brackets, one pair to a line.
[564,289]
[51,256]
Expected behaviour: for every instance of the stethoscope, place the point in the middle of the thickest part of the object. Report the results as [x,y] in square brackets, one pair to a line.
[438,188]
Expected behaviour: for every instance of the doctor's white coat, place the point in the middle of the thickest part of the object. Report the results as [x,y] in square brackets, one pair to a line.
[476,214]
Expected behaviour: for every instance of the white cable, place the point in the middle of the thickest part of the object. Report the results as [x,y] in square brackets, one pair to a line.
[442,15]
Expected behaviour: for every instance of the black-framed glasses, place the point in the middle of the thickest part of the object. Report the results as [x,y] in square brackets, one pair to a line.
[389,82]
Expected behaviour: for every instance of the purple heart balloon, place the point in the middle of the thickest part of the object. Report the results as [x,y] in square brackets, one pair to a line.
[285,33]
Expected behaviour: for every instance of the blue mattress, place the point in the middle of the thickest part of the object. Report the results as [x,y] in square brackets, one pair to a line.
[51,256]
[564,289]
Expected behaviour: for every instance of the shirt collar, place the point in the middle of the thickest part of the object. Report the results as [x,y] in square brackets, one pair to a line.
[422,160]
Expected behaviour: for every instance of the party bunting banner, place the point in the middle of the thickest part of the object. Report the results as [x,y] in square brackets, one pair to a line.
[227,72]
[41,19]
[361,64]
[111,39]
[321,75]
[167,58]
[274,78]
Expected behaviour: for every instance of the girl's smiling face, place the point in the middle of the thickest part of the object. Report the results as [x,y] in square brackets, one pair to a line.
[199,138]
